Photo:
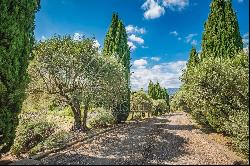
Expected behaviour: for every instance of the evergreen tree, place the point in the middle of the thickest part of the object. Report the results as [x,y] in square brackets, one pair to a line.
[16,41]
[193,58]
[150,88]
[155,91]
[221,37]
[115,44]
[110,36]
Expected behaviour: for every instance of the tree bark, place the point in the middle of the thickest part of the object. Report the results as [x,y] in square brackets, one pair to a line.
[75,106]
[85,115]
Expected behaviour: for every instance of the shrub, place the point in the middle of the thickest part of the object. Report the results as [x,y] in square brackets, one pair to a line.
[101,118]
[57,139]
[31,134]
[140,101]
[218,94]
[177,103]
[160,107]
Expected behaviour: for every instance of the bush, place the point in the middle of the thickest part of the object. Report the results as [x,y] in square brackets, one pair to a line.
[140,101]
[218,94]
[31,134]
[57,139]
[101,118]
[238,126]
[160,107]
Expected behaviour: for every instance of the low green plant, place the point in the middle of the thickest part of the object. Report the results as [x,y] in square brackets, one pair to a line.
[101,118]
[56,140]
[31,134]
[160,107]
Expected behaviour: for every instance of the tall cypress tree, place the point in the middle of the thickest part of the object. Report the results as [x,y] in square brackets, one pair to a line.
[221,37]
[110,36]
[150,88]
[16,41]
[193,58]
[155,91]
[115,44]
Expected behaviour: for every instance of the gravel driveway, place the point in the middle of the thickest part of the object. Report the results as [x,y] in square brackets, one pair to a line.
[169,139]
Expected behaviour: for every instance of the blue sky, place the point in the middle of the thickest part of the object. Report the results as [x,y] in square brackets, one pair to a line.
[161,32]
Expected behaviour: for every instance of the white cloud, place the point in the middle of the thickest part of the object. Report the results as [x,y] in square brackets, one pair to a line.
[43,38]
[152,9]
[156,59]
[194,42]
[179,38]
[190,37]
[175,33]
[176,4]
[156,8]
[167,74]
[133,38]
[240,1]
[96,44]
[134,29]
[131,45]
[77,36]
[136,39]
[140,62]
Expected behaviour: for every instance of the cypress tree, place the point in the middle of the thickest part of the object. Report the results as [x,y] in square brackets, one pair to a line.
[115,44]
[150,88]
[155,91]
[16,41]
[110,36]
[193,58]
[221,37]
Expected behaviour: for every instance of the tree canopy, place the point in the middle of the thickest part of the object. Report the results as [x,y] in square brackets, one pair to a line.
[77,74]
[221,36]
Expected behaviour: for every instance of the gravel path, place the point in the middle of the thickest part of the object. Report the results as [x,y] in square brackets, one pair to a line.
[169,139]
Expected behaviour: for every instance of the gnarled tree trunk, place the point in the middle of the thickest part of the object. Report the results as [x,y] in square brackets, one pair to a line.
[85,115]
[75,106]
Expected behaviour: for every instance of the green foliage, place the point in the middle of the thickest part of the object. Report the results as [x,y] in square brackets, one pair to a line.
[160,107]
[101,118]
[16,41]
[115,45]
[156,92]
[218,96]
[216,90]
[140,101]
[57,139]
[76,74]
[221,37]
[193,58]
[177,103]
[238,126]
[31,134]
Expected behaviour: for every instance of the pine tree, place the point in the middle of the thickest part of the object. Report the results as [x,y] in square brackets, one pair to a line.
[221,37]
[115,44]
[16,41]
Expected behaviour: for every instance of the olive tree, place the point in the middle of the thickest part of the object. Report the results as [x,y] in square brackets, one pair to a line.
[75,72]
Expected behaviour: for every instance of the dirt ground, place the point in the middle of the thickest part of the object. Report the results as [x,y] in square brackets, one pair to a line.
[170,139]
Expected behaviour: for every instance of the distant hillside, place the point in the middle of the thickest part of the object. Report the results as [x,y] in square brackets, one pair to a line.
[172,91]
